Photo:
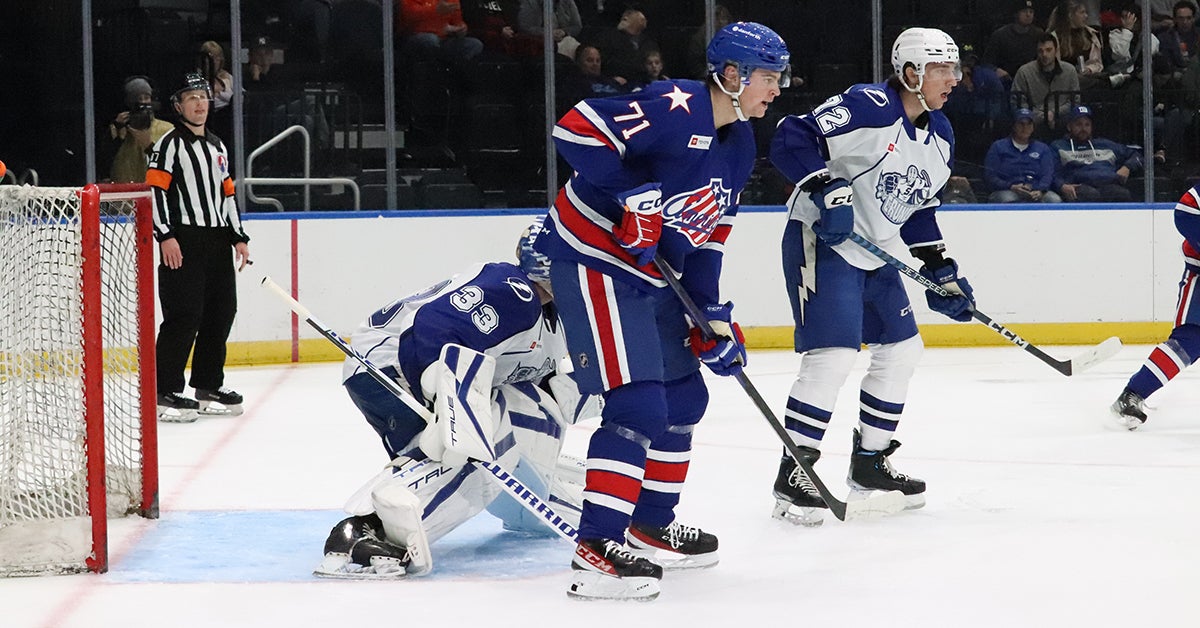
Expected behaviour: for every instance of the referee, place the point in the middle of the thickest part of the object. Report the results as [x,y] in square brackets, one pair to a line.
[196,223]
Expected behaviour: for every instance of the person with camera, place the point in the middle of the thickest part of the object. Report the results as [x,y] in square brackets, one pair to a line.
[137,129]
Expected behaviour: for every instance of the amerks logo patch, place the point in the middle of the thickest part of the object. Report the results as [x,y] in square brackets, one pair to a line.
[696,214]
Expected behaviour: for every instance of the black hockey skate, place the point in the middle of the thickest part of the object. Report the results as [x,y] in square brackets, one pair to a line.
[220,402]
[1129,410]
[357,549]
[674,547]
[796,498]
[175,408]
[872,471]
[603,569]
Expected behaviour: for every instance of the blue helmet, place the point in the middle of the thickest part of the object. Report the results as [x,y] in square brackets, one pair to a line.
[535,265]
[747,46]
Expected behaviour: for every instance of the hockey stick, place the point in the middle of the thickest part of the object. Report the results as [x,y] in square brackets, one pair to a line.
[527,498]
[1077,364]
[886,503]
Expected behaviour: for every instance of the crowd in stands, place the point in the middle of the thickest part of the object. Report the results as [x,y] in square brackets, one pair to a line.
[470,86]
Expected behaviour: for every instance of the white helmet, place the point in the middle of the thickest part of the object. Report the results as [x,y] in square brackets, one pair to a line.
[920,46]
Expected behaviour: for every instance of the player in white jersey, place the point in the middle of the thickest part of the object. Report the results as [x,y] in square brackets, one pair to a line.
[499,318]
[873,160]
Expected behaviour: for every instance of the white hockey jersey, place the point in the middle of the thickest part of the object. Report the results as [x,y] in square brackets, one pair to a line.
[897,170]
[491,308]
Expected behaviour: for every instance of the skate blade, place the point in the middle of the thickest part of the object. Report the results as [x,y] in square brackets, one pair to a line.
[216,408]
[590,586]
[339,567]
[175,415]
[672,561]
[798,515]
[1130,423]
[869,504]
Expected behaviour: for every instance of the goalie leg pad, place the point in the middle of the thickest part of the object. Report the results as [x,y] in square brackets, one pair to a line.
[399,512]
[884,389]
[464,428]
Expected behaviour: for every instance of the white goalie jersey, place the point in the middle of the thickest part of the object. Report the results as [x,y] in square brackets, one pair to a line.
[897,170]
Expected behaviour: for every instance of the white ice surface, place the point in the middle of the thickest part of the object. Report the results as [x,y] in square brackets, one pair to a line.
[1039,514]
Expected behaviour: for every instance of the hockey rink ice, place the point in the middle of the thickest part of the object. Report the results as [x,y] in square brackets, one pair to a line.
[1039,514]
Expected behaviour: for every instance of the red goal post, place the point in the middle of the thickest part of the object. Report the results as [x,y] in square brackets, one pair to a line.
[78,432]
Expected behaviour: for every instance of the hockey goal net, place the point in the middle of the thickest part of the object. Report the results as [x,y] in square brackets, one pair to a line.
[78,440]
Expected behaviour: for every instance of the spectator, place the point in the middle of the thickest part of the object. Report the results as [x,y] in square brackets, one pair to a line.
[586,79]
[1018,168]
[1125,47]
[210,63]
[565,30]
[652,70]
[1092,169]
[436,30]
[1043,75]
[137,129]
[1078,43]
[1161,15]
[624,45]
[697,61]
[1181,42]
[1013,45]
[261,60]
[493,22]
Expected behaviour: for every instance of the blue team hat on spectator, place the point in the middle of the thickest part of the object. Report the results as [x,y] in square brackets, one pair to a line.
[1080,111]
[1023,114]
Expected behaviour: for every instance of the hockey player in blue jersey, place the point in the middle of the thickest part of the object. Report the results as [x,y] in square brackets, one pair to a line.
[656,172]
[873,160]
[500,319]
[1182,347]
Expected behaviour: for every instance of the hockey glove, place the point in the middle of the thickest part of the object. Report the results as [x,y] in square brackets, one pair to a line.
[641,225]
[725,354]
[836,202]
[961,301]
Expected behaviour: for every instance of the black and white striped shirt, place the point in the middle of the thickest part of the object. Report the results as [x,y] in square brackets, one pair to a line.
[190,178]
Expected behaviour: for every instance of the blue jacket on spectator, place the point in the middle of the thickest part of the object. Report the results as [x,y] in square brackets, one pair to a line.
[1094,162]
[1005,165]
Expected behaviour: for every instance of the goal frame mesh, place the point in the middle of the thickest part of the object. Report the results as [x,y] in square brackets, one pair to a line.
[71,529]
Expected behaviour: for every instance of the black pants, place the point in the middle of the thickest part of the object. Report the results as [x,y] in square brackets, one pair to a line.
[199,301]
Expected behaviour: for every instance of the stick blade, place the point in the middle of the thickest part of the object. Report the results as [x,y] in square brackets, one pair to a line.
[879,504]
[1095,355]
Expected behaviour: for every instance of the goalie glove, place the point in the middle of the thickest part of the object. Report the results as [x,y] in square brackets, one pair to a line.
[641,224]
[961,302]
[725,354]
[575,406]
[836,202]
[463,427]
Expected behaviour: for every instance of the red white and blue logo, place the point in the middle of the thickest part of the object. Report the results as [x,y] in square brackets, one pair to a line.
[696,214]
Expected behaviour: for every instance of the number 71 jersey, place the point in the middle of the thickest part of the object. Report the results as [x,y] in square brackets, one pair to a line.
[663,134]
[491,308]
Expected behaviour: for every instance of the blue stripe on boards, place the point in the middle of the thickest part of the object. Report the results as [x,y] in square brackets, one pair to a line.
[285,546]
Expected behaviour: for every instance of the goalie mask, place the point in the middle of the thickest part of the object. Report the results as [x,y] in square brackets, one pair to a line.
[535,265]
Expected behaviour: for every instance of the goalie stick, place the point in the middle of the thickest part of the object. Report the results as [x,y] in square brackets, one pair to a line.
[882,504]
[527,498]
[1077,364]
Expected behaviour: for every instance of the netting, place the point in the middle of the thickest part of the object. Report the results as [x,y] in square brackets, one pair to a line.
[45,513]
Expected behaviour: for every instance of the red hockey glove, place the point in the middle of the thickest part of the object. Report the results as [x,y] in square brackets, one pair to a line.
[641,225]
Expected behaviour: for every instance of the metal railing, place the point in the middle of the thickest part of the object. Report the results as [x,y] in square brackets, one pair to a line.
[306,181]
